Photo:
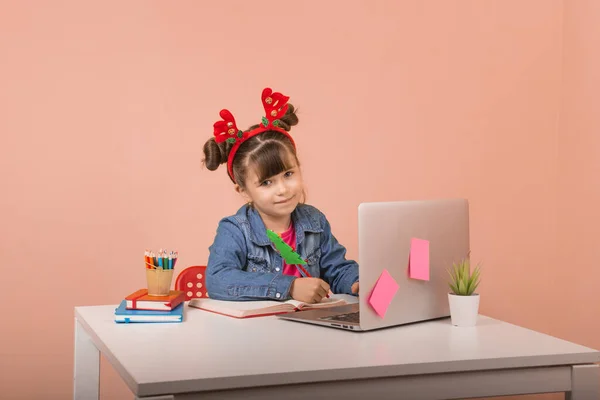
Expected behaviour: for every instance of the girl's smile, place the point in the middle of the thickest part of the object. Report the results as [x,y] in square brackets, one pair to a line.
[285,201]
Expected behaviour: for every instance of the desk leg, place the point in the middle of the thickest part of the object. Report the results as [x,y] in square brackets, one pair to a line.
[585,383]
[86,377]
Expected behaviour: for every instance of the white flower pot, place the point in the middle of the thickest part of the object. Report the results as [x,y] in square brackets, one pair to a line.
[463,309]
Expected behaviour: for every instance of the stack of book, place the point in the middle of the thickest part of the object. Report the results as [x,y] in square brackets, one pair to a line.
[139,306]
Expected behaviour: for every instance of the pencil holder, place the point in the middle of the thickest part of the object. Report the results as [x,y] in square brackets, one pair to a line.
[159,281]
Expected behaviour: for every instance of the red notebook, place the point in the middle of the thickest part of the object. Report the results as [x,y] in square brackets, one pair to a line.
[141,300]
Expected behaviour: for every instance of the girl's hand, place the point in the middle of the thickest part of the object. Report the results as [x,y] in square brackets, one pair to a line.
[309,290]
[355,287]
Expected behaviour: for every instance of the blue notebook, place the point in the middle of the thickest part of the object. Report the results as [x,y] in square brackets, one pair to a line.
[124,315]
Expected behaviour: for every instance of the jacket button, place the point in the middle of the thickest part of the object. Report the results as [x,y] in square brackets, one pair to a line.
[277,269]
[278,295]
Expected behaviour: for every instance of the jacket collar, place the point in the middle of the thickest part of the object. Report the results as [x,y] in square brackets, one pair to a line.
[303,221]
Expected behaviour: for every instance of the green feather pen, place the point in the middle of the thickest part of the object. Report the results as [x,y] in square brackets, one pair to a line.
[288,254]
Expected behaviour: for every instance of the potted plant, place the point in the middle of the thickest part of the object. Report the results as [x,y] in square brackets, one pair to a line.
[464,302]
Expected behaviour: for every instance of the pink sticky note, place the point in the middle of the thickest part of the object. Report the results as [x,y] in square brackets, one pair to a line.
[418,263]
[383,292]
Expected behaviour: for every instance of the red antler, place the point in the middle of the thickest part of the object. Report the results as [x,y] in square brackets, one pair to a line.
[275,104]
[226,129]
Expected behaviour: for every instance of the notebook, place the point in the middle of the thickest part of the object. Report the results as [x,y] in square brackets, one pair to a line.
[261,308]
[122,314]
[141,300]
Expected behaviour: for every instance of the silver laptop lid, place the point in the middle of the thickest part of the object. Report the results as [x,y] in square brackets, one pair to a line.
[385,230]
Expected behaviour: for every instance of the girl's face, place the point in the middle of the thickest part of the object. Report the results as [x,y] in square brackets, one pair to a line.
[276,196]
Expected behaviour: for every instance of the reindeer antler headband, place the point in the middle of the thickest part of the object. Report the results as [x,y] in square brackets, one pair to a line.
[226,130]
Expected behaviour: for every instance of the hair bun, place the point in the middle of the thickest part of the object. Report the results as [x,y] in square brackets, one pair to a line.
[289,119]
[215,153]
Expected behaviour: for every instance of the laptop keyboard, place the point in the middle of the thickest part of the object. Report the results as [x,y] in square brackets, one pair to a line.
[347,317]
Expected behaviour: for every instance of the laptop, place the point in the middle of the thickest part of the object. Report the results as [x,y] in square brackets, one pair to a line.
[385,230]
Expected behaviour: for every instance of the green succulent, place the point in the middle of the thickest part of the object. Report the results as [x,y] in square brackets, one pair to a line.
[462,281]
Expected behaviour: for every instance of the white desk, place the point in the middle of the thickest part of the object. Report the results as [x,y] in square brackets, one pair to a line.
[210,356]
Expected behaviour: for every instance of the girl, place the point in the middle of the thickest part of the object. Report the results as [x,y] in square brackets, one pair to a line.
[243,263]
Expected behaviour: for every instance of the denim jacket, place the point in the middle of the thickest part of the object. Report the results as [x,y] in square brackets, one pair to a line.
[244,265]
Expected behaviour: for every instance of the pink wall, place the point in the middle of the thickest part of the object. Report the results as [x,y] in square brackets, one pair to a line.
[102,104]
[579,174]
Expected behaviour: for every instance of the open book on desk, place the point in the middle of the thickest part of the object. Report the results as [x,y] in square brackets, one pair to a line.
[261,308]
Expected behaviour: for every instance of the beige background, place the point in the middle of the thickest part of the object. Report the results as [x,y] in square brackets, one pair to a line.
[105,106]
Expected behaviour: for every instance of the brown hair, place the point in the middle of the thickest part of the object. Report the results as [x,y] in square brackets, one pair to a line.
[268,152]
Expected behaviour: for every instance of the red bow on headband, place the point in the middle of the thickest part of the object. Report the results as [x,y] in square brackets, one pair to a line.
[275,105]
